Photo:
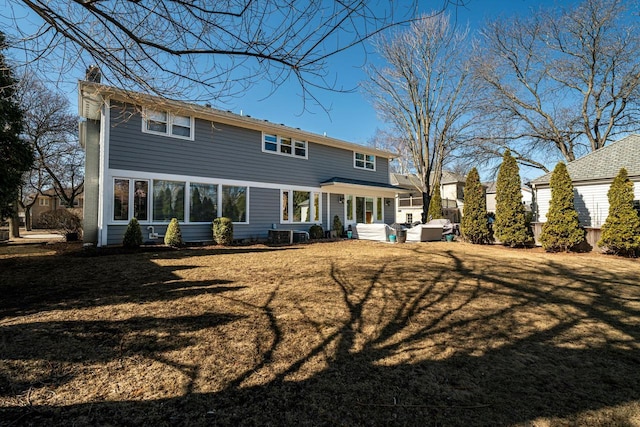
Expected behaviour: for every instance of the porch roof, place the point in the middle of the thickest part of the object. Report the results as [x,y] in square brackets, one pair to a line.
[348,185]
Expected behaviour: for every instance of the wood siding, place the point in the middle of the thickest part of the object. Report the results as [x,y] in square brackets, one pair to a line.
[590,201]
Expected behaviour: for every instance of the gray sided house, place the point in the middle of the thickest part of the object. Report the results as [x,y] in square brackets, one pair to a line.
[155,159]
[592,176]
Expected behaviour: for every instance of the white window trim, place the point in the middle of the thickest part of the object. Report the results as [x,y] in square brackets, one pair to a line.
[312,206]
[365,161]
[293,146]
[170,119]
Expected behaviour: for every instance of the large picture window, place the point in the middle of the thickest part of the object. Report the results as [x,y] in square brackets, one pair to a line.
[168,200]
[234,203]
[284,145]
[168,124]
[204,202]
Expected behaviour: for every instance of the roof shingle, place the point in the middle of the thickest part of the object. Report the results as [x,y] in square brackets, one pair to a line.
[604,163]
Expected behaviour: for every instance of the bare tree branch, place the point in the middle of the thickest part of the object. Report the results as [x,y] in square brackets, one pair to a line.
[567,80]
[196,50]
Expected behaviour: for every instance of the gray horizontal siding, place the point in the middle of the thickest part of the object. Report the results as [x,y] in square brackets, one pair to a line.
[190,233]
[227,152]
[264,211]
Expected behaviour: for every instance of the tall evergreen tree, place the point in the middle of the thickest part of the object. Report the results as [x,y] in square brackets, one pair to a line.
[510,226]
[562,230]
[435,207]
[621,230]
[16,154]
[474,225]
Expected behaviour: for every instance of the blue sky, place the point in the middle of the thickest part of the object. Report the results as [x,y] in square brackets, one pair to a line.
[349,116]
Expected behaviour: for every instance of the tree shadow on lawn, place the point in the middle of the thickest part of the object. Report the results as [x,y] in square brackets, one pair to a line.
[458,342]
[43,283]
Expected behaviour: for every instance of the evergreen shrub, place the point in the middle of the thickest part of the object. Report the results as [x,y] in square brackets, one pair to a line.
[173,235]
[316,232]
[510,226]
[223,231]
[435,206]
[133,235]
[621,230]
[562,231]
[474,226]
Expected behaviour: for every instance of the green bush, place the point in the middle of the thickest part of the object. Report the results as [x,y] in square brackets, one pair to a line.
[223,231]
[173,235]
[562,230]
[316,232]
[337,226]
[133,235]
[621,230]
[510,226]
[474,224]
[435,206]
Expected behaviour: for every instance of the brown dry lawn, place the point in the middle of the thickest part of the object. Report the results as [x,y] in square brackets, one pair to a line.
[340,333]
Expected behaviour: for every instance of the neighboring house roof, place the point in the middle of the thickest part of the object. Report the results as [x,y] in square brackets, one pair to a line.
[92,96]
[603,164]
[412,181]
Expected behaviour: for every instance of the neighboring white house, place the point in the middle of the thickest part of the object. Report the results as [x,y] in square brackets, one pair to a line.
[490,191]
[592,176]
[409,203]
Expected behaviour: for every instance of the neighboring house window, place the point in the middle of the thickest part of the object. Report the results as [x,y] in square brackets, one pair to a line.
[43,202]
[121,199]
[203,205]
[364,161]
[168,200]
[234,203]
[283,145]
[300,206]
[379,210]
[168,124]
[409,218]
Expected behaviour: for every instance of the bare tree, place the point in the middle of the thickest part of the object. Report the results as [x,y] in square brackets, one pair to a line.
[206,50]
[387,139]
[52,131]
[33,184]
[424,93]
[559,83]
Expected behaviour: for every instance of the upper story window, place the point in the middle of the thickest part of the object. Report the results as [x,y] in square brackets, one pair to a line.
[283,145]
[364,161]
[168,124]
